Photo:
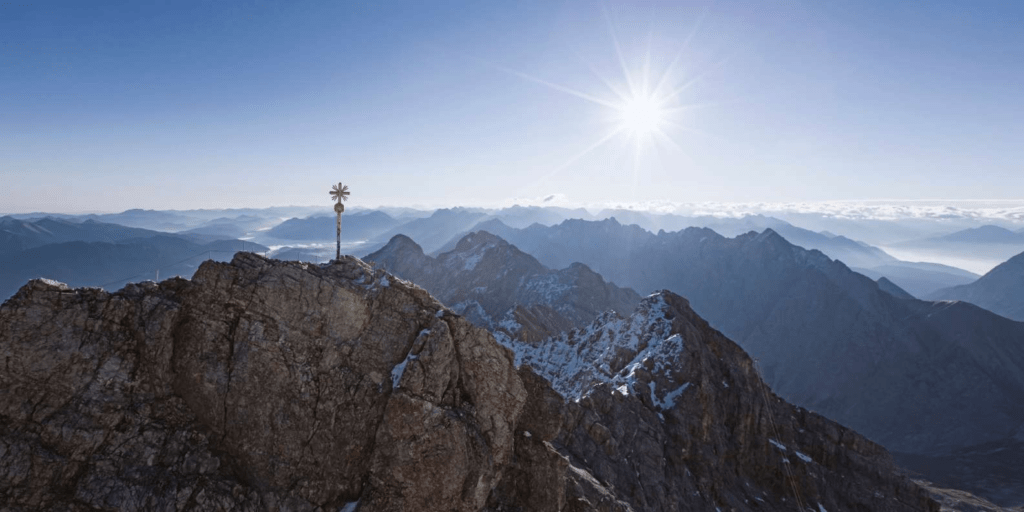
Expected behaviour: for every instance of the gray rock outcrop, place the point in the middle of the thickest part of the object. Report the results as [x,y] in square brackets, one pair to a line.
[257,385]
[663,412]
[267,385]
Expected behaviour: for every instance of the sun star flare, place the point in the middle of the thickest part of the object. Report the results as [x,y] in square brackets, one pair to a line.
[642,116]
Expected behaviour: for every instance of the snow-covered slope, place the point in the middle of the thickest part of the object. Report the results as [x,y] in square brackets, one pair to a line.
[662,406]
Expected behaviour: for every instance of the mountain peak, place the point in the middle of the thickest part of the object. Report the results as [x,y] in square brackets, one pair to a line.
[479,240]
[893,289]
[402,243]
[769,235]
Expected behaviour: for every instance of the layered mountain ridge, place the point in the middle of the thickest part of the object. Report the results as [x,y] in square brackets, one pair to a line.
[1001,290]
[497,286]
[262,384]
[828,338]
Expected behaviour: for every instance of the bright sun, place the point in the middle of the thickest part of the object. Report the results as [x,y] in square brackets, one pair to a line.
[642,115]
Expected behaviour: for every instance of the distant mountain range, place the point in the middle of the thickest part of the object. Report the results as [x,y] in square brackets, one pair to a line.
[983,247]
[983,235]
[829,339]
[232,227]
[917,278]
[920,377]
[1000,291]
[92,253]
[355,226]
[18,234]
[496,285]
[112,265]
[438,230]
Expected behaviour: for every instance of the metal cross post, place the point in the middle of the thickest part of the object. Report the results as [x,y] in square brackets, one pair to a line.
[340,193]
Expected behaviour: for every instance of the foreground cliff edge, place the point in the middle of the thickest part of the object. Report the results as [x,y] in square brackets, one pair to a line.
[263,384]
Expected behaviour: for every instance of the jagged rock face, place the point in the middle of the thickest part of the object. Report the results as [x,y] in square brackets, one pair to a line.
[673,416]
[263,385]
[257,385]
[499,287]
[918,377]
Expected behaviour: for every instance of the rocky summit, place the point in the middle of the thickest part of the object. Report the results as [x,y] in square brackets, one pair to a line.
[268,385]
[256,385]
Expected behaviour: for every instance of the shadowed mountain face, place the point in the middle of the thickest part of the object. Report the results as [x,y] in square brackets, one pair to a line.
[1000,291]
[433,231]
[18,235]
[916,376]
[496,285]
[891,288]
[920,279]
[112,265]
[916,278]
[355,226]
[263,384]
[232,227]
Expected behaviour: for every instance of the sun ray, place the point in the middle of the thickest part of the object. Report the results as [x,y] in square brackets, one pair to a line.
[551,85]
[557,87]
[681,89]
[690,129]
[679,54]
[664,138]
[647,105]
[669,111]
[618,53]
[583,153]
[646,73]
[615,89]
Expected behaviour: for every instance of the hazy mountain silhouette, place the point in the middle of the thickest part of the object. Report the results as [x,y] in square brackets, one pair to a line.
[983,235]
[17,235]
[432,232]
[232,227]
[920,278]
[523,216]
[917,278]
[355,226]
[1000,291]
[112,265]
[987,246]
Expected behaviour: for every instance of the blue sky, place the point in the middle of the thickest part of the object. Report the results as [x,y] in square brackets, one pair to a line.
[109,106]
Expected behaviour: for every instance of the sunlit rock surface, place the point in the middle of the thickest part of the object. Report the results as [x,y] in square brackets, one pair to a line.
[267,385]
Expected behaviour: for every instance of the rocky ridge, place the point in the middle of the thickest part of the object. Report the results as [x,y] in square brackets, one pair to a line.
[267,385]
[499,287]
[917,376]
[257,385]
[665,409]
